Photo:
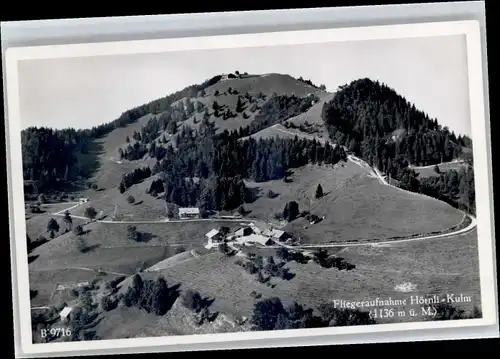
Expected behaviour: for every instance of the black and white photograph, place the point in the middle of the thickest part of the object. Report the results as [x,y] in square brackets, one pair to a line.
[240,185]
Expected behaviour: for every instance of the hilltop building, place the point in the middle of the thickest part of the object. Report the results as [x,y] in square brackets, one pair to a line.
[189,213]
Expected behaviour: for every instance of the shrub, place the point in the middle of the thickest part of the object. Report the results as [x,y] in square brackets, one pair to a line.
[242,211]
[284,254]
[78,230]
[90,213]
[179,250]
[261,278]
[114,282]
[131,199]
[86,299]
[106,303]
[319,191]
[251,268]
[52,227]
[265,313]
[133,292]
[35,209]
[133,234]
[42,199]
[89,335]
[255,295]
[322,257]
[153,296]
[192,300]
[226,250]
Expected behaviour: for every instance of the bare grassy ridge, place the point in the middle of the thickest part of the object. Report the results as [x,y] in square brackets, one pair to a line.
[229,101]
[267,84]
[109,172]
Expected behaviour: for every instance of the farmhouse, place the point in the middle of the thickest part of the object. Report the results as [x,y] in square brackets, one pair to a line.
[66,286]
[279,235]
[255,229]
[83,199]
[256,238]
[276,234]
[189,213]
[64,314]
[214,236]
[243,231]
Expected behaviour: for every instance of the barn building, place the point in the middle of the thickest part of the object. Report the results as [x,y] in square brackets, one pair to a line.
[214,236]
[64,314]
[243,231]
[189,213]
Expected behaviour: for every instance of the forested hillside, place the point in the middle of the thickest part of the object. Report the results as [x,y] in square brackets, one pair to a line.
[377,124]
[208,169]
[49,155]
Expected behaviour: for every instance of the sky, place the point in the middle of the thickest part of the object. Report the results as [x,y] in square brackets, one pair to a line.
[430,72]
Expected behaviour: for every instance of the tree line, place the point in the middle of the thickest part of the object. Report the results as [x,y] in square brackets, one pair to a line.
[279,108]
[50,155]
[365,116]
[453,187]
[272,314]
[134,177]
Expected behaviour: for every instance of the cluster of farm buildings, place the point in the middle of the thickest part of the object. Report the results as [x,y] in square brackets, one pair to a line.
[247,235]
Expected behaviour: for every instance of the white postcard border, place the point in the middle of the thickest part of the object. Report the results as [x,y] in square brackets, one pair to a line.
[469,28]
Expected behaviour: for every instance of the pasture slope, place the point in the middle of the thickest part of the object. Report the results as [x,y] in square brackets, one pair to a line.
[358,210]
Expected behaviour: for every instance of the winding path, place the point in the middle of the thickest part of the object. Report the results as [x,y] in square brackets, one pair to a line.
[61,213]
[381,178]
[472,225]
